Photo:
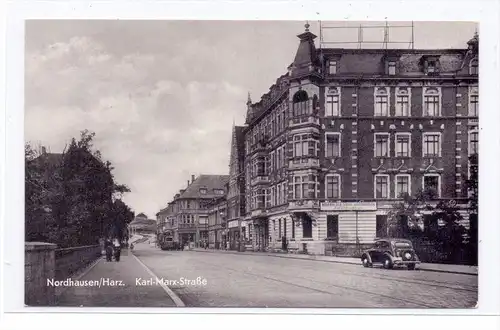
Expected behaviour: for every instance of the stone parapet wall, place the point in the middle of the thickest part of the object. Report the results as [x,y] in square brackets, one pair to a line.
[39,267]
[70,260]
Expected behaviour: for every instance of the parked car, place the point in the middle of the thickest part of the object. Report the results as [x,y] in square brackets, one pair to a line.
[391,252]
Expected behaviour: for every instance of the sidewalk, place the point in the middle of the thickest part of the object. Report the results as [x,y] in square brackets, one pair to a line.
[116,286]
[441,268]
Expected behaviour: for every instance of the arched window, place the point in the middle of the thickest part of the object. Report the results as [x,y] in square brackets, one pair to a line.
[432,102]
[301,103]
[381,101]
[403,101]
[474,67]
[300,96]
[333,102]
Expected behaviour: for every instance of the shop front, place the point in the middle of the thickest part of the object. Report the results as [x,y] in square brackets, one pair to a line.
[349,227]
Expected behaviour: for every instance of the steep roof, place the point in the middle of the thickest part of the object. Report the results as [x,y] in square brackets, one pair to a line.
[49,160]
[240,138]
[141,215]
[209,182]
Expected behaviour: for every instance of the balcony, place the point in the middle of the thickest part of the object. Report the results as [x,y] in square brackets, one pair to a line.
[304,120]
[303,205]
[300,163]
[187,226]
[261,179]
[259,213]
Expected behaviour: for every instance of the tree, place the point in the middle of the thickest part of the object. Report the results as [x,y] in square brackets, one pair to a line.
[409,216]
[122,216]
[406,215]
[71,203]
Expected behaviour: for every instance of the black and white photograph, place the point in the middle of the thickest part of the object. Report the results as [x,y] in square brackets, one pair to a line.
[256,164]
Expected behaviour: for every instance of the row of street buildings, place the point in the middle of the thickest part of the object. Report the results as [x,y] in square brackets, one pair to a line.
[324,154]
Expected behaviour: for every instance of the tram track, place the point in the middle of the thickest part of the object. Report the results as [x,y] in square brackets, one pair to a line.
[416,303]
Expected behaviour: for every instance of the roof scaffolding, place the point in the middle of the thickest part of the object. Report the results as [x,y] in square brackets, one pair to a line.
[327,40]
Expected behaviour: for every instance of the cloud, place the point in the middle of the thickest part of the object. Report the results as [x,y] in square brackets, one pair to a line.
[155,129]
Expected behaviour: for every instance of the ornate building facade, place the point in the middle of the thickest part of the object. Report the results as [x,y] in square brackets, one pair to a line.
[345,132]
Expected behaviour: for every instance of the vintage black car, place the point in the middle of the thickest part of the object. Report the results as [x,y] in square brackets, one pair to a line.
[391,252]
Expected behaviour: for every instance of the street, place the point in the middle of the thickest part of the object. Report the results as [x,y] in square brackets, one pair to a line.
[242,280]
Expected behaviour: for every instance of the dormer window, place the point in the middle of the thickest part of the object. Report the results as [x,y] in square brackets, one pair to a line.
[332,67]
[219,191]
[430,65]
[203,191]
[391,68]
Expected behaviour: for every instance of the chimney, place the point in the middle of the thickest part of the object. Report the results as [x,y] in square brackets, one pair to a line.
[188,183]
[44,150]
[192,178]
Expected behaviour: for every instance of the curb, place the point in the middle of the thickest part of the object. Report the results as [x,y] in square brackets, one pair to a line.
[336,261]
[175,298]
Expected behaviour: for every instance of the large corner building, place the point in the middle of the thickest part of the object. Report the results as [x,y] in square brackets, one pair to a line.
[344,132]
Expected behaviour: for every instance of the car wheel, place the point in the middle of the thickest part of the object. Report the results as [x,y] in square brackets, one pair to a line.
[366,262]
[387,263]
[411,266]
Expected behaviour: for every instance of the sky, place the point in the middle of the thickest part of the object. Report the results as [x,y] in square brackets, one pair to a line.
[162,96]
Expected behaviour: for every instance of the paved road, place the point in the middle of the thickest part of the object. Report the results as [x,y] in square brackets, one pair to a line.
[263,281]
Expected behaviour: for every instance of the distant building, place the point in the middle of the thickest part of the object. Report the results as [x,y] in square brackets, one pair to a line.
[142,225]
[217,223]
[189,209]
[340,136]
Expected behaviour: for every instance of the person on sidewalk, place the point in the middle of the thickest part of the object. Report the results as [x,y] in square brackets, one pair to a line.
[108,247]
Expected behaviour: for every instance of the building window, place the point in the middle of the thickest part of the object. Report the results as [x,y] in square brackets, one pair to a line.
[332,186]
[381,102]
[278,197]
[473,102]
[332,226]
[403,185]
[473,142]
[402,102]
[332,145]
[332,67]
[474,67]
[279,229]
[403,144]
[304,145]
[301,103]
[391,66]
[431,67]
[381,142]
[382,186]
[431,145]
[293,228]
[433,182]
[203,191]
[332,103]
[432,102]
[381,226]
[300,187]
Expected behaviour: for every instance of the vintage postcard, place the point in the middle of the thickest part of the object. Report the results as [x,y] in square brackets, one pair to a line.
[278,164]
